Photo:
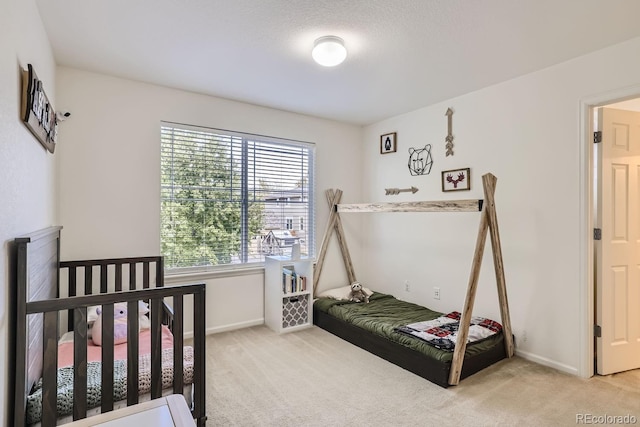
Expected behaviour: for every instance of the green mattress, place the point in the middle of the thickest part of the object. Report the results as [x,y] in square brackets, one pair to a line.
[384,313]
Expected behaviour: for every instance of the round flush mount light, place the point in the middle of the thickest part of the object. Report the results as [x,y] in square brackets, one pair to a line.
[329,51]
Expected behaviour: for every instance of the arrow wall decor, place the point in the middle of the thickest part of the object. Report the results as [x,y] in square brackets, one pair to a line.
[449,137]
[394,191]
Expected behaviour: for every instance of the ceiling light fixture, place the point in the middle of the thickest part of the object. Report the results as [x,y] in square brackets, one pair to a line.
[329,51]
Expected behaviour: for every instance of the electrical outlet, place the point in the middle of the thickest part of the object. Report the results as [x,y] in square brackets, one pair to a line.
[436,292]
[407,288]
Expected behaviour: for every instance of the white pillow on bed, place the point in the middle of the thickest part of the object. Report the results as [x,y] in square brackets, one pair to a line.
[341,293]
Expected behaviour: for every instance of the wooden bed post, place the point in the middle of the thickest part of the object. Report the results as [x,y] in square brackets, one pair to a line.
[489,182]
[342,242]
[488,222]
[334,224]
[465,319]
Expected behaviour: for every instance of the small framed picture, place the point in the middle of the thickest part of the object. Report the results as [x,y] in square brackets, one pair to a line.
[456,180]
[388,143]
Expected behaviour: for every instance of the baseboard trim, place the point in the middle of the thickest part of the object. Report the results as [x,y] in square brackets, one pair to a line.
[548,362]
[234,326]
[230,327]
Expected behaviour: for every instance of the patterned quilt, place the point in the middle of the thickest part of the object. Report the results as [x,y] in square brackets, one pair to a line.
[442,332]
[65,383]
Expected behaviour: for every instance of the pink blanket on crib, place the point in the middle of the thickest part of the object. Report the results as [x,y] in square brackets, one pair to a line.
[94,352]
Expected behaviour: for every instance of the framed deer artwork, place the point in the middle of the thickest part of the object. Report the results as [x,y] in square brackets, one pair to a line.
[456,180]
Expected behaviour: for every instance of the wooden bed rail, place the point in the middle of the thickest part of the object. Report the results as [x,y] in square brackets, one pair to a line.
[474,205]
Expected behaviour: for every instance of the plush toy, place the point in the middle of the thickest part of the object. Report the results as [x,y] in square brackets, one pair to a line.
[119,322]
[358,294]
[119,325]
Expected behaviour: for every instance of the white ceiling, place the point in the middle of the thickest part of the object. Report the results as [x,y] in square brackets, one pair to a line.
[403,54]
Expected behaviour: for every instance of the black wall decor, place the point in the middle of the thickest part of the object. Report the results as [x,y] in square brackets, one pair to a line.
[420,160]
[37,112]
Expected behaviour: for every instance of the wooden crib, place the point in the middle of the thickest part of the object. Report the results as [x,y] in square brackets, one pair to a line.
[50,297]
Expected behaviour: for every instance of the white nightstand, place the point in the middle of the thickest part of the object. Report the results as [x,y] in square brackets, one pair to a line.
[169,411]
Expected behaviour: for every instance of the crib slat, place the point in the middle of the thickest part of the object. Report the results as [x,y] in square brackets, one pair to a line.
[133,346]
[103,279]
[118,277]
[71,289]
[88,280]
[132,276]
[107,358]
[80,362]
[199,300]
[72,282]
[50,369]
[145,275]
[178,343]
[160,272]
[156,348]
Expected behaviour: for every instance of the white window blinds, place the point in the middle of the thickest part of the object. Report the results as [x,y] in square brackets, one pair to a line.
[228,197]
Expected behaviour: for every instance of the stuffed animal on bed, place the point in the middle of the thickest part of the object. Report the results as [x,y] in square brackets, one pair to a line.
[119,323]
[357,294]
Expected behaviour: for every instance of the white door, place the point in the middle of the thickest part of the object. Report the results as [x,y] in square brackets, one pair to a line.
[618,252]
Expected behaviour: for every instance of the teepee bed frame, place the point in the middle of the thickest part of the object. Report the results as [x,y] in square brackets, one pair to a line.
[461,364]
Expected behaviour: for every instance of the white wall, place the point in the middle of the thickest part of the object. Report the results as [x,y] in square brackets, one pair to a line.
[27,190]
[525,131]
[109,172]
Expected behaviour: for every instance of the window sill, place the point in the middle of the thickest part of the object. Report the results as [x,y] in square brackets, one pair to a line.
[181,276]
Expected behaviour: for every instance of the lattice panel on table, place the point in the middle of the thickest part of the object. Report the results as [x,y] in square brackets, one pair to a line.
[295,311]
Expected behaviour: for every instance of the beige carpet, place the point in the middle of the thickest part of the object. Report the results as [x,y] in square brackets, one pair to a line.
[256,377]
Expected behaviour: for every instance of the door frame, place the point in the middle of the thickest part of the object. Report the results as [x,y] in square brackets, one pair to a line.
[586,295]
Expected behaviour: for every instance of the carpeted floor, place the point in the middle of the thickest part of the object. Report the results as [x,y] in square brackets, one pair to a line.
[256,377]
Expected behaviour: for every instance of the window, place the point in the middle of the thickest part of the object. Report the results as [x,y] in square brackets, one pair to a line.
[229,198]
